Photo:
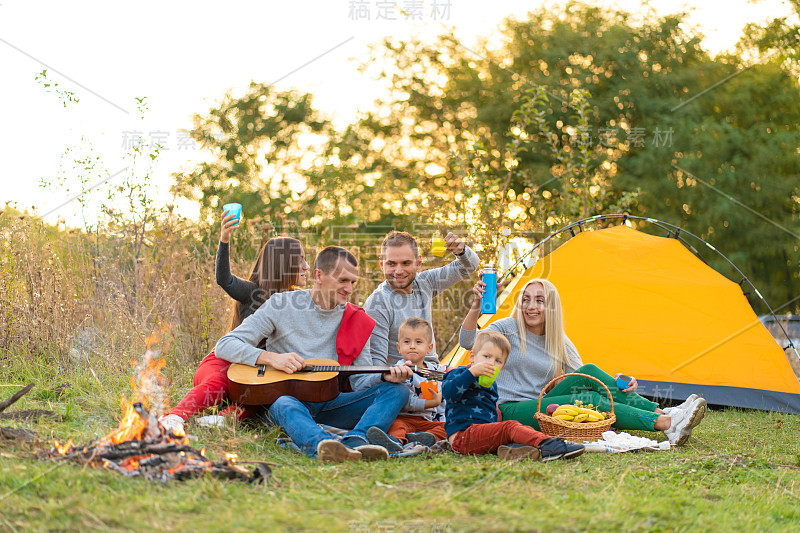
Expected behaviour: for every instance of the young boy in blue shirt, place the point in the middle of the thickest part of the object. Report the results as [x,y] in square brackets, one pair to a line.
[471,410]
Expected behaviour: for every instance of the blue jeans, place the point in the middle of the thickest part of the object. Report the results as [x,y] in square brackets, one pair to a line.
[359,411]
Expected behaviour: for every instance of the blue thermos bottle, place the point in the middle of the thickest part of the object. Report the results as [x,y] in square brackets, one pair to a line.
[489,300]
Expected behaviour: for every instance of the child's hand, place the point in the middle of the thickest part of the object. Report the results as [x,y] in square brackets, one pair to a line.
[436,401]
[485,368]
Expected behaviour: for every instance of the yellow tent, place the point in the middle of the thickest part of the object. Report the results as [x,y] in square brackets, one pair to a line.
[647,307]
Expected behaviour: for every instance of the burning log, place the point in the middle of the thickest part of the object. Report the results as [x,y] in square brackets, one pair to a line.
[141,446]
[157,455]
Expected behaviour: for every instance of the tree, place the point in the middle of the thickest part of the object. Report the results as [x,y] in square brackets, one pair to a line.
[657,107]
[580,111]
[261,145]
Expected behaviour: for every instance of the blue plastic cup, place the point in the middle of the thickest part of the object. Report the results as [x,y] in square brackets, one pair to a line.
[623,382]
[233,209]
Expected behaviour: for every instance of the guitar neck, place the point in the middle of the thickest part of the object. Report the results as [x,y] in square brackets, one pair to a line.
[353,369]
[420,370]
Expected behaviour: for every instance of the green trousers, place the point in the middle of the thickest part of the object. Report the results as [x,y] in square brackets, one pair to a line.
[632,411]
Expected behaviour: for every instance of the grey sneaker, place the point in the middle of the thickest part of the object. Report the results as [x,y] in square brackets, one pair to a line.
[369,452]
[555,448]
[683,420]
[336,452]
[372,452]
[518,452]
[422,437]
[377,436]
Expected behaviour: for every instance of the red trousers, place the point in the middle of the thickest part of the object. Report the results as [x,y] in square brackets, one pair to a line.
[210,388]
[409,424]
[479,439]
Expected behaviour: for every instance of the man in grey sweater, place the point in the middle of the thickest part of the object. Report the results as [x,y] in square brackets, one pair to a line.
[303,324]
[408,293]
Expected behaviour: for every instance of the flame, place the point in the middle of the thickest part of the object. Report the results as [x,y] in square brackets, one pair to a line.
[149,398]
[149,388]
[130,427]
[63,448]
[203,451]
[131,463]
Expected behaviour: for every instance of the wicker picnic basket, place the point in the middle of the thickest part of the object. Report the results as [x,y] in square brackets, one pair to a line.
[574,431]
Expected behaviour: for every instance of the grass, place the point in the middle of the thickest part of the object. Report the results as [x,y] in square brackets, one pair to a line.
[740,471]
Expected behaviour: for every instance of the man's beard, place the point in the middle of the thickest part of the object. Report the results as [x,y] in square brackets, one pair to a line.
[393,284]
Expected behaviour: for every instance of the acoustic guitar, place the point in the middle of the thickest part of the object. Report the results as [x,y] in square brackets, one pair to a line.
[317,382]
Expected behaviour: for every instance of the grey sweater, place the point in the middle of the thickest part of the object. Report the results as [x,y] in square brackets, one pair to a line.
[521,378]
[293,323]
[389,308]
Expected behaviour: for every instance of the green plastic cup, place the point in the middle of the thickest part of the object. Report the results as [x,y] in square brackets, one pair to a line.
[486,381]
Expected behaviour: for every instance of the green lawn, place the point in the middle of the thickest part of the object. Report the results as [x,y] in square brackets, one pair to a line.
[739,472]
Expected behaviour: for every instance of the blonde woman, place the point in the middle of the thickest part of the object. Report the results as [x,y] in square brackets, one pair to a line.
[541,350]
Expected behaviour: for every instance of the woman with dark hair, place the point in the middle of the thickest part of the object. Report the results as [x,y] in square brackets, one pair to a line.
[541,350]
[280,266]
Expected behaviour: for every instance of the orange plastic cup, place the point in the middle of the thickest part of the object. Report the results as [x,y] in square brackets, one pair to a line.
[429,389]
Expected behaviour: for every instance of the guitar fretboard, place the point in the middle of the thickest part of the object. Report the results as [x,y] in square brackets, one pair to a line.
[422,371]
[359,369]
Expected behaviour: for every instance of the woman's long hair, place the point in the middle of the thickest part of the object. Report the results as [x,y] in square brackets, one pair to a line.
[277,269]
[554,336]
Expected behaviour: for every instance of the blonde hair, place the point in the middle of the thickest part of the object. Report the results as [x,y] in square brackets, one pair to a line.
[494,337]
[554,337]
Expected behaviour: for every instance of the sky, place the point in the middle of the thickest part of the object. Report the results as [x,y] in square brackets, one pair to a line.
[184,56]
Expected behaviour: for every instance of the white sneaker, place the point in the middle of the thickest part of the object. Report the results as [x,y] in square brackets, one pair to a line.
[698,410]
[211,421]
[171,423]
[682,406]
[683,420]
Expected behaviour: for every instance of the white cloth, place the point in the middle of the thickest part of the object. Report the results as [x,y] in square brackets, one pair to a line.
[623,442]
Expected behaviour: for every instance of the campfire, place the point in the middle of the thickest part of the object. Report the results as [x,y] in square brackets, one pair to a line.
[140,446]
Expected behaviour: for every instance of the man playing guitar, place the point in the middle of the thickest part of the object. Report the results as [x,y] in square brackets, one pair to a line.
[304,324]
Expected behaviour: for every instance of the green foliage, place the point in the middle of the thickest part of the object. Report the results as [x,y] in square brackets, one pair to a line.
[261,143]
[581,110]
[66,97]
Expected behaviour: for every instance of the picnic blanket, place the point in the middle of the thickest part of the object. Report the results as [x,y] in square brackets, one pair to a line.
[409,450]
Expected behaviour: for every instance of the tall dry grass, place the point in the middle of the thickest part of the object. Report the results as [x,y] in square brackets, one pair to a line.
[70,298]
[74,299]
